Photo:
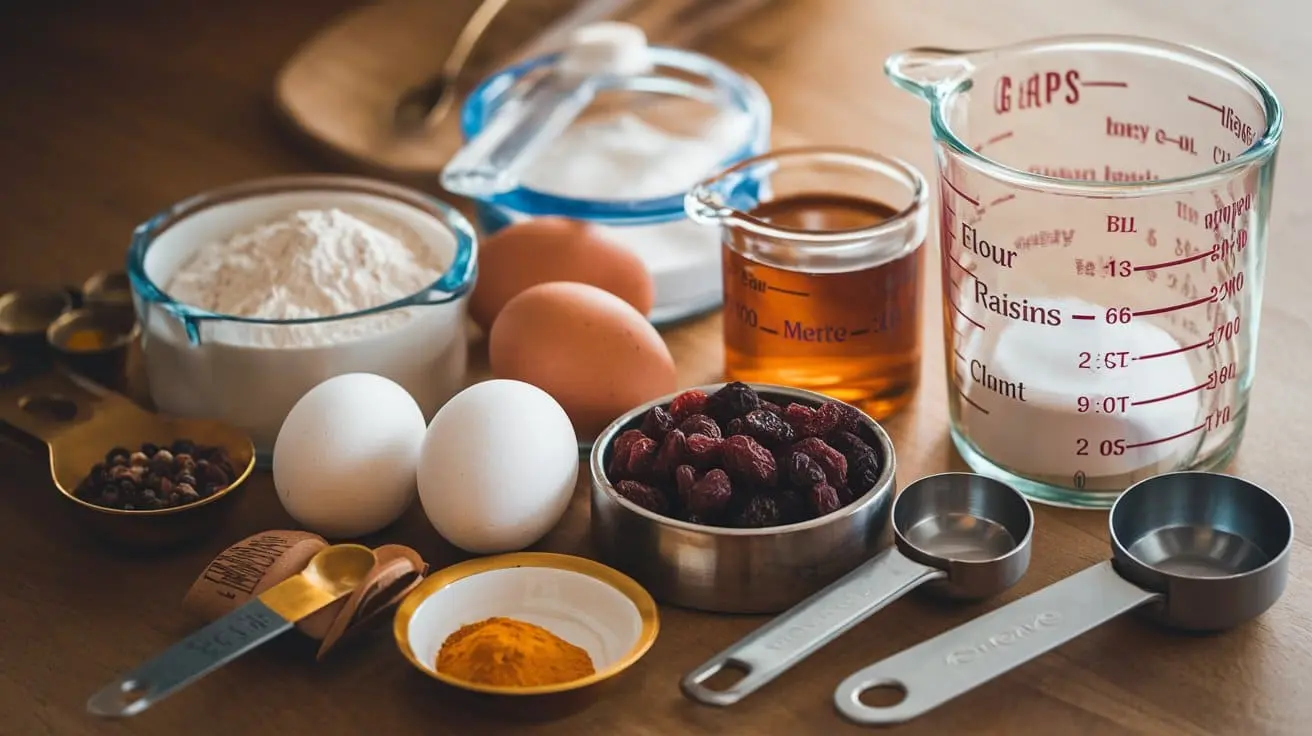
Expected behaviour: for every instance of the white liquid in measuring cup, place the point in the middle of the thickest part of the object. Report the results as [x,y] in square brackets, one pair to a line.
[1076,405]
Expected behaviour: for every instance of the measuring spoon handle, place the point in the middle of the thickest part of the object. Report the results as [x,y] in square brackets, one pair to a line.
[961,659]
[197,655]
[775,647]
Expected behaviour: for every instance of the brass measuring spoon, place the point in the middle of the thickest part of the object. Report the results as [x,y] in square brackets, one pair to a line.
[79,422]
[334,573]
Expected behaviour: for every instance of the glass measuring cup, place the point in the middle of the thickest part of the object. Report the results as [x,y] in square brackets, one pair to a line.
[822,270]
[1103,239]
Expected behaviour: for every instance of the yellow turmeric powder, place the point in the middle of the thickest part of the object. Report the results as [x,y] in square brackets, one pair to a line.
[504,652]
[84,340]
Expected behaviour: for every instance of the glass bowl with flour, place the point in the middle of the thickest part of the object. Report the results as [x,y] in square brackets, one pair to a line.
[627,161]
[251,295]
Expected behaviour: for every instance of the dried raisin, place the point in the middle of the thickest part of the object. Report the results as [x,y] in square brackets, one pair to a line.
[767,429]
[684,478]
[657,423]
[619,451]
[863,466]
[830,416]
[823,499]
[710,495]
[637,462]
[749,462]
[760,512]
[733,400]
[799,416]
[688,403]
[643,495]
[735,426]
[772,407]
[672,454]
[830,460]
[792,507]
[804,472]
[700,424]
[846,496]
[703,451]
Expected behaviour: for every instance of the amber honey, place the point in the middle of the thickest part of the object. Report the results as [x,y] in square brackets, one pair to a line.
[847,330]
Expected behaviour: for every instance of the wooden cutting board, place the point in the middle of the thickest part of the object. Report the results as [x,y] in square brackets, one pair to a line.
[341,87]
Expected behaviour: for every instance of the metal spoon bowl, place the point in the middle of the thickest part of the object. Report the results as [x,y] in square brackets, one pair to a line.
[79,422]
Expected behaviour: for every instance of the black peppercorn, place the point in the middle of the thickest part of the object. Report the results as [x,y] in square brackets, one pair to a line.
[156,476]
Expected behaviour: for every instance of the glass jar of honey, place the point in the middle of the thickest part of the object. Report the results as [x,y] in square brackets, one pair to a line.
[823,272]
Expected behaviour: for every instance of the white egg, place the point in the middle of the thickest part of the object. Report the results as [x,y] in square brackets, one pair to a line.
[344,461]
[498,467]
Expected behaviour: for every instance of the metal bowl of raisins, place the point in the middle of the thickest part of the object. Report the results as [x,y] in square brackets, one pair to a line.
[741,498]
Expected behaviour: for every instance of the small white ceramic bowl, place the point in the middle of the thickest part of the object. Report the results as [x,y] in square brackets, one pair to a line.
[584,602]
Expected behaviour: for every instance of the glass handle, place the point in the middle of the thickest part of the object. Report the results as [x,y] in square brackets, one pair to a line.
[925,71]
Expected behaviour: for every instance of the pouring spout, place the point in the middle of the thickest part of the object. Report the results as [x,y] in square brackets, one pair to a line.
[930,72]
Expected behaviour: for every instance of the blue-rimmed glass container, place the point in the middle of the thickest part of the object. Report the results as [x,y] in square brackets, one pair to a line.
[250,372]
[608,170]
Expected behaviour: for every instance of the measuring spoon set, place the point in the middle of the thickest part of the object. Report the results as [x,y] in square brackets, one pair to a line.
[1194,551]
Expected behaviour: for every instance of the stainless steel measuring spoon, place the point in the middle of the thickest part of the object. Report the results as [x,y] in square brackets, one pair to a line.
[1192,550]
[333,573]
[963,536]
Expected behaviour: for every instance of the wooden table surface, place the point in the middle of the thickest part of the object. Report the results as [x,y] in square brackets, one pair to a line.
[113,110]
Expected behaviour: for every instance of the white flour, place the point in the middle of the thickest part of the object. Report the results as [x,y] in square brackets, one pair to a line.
[308,263]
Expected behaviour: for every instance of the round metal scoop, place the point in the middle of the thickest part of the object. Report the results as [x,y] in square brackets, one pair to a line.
[963,536]
[331,574]
[1194,551]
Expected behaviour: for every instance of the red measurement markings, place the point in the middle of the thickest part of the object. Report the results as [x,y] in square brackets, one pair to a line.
[960,193]
[1177,351]
[1000,137]
[1185,433]
[957,353]
[1175,395]
[1179,261]
[1083,316]
[858,333]
[963,314]
[1205,103]
[948,208]
[1104,83]
[1000,200]
[1174,307]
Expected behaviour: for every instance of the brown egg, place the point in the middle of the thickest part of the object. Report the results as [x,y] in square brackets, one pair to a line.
[554,249]
[589,349]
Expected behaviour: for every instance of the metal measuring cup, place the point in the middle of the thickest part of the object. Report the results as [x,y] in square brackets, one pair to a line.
[963,536]
[1195,551]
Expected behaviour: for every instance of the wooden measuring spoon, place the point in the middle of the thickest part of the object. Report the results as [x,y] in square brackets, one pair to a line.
[334,573]
[79,422]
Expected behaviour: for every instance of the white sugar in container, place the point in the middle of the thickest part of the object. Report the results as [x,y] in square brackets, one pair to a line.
[627,161]
[249,372]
